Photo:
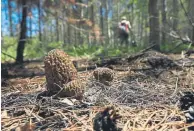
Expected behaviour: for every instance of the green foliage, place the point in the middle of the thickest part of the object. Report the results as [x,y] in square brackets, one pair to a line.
[99,50]
[9,46]
[36,49]
[84,50]
[171,47]
[33,49]
[53,45]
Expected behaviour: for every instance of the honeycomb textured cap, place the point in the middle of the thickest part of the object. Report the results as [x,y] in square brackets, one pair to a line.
[74,88]
[59,70]
[103,74]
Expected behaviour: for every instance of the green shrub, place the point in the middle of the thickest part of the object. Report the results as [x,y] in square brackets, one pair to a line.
[8,46]
[36,49]
[33,49]
[173,48]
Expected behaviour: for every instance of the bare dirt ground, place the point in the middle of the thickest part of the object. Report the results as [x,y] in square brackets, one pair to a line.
[146,98]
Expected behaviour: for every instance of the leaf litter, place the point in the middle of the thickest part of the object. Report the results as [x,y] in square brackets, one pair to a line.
[145,101]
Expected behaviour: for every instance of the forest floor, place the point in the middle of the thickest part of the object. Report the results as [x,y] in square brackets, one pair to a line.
[144,97]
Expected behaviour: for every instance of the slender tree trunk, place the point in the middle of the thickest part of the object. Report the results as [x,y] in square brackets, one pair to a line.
[93,23]
[10,17]
[116,28]
[175,10]
[69,28]
[163,39]
[30,27]
[154,37]
[44,36]
[141,28]
[118,12]
[30,9]
[19,12]
[146,38]
[107,22]
[101,20]
[57,27]
[92,15]
[30,21]
[191,12]
[138,27]
[64,35]
[51,32]
[22,40]
[69,34]
[79,36]
[64,30]
[75,37]
[132,12]
[80,40]
[88,34]
[39,21]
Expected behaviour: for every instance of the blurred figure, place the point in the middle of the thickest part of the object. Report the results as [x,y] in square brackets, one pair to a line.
[124,27]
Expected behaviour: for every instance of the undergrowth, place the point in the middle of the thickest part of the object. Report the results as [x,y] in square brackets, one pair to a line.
[35,49]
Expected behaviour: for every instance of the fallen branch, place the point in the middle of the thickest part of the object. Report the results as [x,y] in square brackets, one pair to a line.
[8,55]
[186,13]
[131,58]
[115,60]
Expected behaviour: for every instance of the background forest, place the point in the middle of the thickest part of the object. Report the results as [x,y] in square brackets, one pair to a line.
[107,84]
[31,28]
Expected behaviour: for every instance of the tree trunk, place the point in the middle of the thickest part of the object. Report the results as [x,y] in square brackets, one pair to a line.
[64,30]
[39,21]
[141,28]
[30,27]
[117,20]
[10,18]
[88,16]
[93,39]
[175,10]
[69,33]
[163,40]
[191,12]
[51,32]
[101,19]
[80,40]
[30,21]
[19,12]
[107,22]
[132,13]
[154,37]
[75,37]
[138,28]
[57,27]
[92,14]
[30,9]
[22,40]
[64,35]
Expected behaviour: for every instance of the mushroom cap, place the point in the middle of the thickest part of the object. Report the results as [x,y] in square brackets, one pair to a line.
[59,70]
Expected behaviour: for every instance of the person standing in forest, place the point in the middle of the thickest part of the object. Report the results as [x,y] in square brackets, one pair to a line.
[124,27]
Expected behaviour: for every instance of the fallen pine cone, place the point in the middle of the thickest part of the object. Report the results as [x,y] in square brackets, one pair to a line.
[106,120]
